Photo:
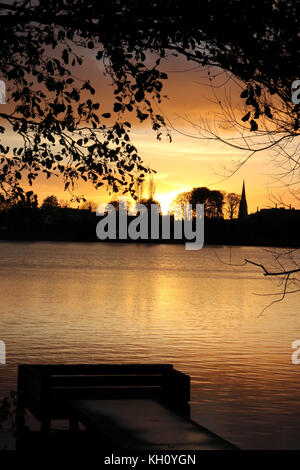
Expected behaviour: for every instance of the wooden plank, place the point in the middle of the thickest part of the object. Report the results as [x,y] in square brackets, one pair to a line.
[84,369]
[108,380]
[143,425]
[104,393]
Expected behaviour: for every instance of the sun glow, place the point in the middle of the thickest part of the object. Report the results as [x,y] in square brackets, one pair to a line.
[166,200]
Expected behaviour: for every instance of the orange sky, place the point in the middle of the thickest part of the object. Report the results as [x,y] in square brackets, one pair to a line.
[187,161]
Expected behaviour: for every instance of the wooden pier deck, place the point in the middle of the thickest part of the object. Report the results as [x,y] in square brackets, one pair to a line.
[144,425]
[122,407]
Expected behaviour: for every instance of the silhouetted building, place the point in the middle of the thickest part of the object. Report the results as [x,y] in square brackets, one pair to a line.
[243,209]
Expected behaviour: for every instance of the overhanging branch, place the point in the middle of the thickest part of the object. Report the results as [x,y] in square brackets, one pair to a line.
[276,273]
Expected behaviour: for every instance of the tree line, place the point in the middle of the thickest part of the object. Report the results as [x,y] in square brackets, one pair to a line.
[30,202]
[217,203]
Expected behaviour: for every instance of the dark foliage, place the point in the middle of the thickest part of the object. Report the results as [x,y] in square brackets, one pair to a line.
[65,131]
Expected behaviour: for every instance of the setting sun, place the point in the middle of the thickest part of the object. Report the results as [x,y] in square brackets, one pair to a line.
[166,200]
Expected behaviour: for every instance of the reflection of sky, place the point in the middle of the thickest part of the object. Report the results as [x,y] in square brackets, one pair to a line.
[122,303]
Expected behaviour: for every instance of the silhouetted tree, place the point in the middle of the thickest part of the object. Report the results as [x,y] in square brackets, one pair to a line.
[139,190]
[30,201]
[151,188]
[180,200]
[148,202]
[232,204]
[212,200]
[89,205]
[65,130]
[215,204]
[199,196]
[50,203]
[117,204]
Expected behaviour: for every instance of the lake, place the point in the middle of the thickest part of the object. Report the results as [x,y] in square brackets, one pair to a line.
[122,303]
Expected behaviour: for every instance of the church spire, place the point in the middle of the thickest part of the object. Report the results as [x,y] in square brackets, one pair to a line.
[243,209]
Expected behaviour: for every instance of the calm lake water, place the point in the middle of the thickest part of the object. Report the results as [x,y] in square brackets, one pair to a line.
[106,303]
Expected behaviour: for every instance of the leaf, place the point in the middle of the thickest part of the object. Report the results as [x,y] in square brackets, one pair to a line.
[50,68]
[268,111]
[117,107]
[257,113]
[65,56]
[246,117]
[139,96]
[258,90]
[253,125]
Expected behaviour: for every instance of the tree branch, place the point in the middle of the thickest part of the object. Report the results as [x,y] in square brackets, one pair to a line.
[278,273]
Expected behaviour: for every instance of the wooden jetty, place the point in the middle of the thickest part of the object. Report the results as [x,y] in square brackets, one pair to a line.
[133,407]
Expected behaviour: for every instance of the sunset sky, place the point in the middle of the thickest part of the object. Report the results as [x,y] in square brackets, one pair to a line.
[188,161]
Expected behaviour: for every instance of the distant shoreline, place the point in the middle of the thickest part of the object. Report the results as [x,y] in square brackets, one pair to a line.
[148,242]
[269,228]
